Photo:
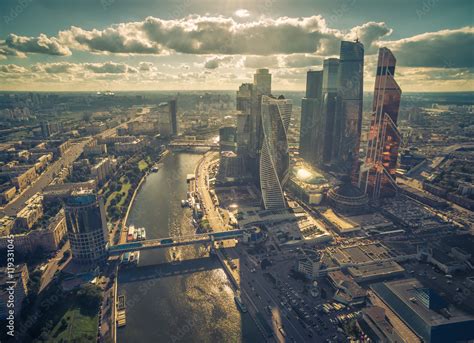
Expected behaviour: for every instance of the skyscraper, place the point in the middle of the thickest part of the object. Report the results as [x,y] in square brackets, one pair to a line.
[348,119]
[244,105]
[262,85]
[86,227]
[167,118]
[331,112]
[173,109]
[274,159]
[311,125]
[377,177]
[325,139]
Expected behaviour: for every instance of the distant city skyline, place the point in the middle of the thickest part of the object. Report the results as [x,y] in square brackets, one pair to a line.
[164,45]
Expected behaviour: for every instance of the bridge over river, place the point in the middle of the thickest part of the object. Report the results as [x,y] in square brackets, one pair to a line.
[170,242]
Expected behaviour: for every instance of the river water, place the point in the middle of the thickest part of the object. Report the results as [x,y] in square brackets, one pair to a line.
[190,301]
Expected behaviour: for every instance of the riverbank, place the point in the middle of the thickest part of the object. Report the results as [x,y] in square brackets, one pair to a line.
[199,300]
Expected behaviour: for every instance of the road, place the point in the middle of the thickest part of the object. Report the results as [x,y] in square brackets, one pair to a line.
[72,154]
[45,178]
[53,266]
[212,213]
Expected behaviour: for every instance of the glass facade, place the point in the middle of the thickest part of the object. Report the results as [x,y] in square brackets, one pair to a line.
[86,227]
[311,119]
[378,173]
[274,160]
[348,121]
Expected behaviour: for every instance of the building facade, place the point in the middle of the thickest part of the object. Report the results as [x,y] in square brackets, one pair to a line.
[274,159]
[86,227]
[311,119]
[377,177]
[348,120]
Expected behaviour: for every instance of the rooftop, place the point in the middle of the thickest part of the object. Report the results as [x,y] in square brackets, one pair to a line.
[424,301]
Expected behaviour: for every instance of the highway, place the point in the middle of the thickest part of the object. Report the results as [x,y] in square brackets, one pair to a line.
[258,289]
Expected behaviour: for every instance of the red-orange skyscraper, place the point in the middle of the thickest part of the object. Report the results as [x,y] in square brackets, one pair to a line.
[377,177]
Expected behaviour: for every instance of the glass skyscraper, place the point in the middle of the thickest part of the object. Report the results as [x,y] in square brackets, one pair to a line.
[311,124]
[331,112]
[378,172]
[86,227]
[348,119]
[274,159]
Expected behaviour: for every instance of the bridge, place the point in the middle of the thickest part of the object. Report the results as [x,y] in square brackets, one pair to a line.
[170,242]
[193,144]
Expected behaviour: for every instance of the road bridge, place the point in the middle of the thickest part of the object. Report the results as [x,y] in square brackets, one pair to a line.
[170,242]
[193,144]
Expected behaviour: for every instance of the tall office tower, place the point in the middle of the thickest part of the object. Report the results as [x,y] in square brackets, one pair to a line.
[325,139]
[244,98]
[377,177]
[86,227]
[262,85]
[311,125]
[348,120]
[262,81]
[244,105]
[165,124]
[173,109]
[274,159]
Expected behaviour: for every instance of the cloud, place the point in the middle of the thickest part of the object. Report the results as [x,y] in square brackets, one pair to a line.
[302,61]
[197,34]
[5,51]
[55,68]
[445,49]
[109,68]
[216,61]
[76,68]
[40,45]
[242,13]
[369,34]
[146,66]
[125,38]
[12,68]
[212,63]
[256,62]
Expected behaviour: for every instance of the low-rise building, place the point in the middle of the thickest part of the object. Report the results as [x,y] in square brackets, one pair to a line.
[6,225]
[348,292]
[310,264]
[93,148]
[43,161]
[31,213]
[374,323]
[7,193]
[46,238]
[129,147]
[102,170]
[307,184]
[425,311]
[25,178]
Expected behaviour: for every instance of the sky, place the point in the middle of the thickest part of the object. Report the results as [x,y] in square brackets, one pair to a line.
[123,45]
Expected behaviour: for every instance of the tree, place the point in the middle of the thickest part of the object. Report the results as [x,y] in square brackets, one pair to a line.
[90,296]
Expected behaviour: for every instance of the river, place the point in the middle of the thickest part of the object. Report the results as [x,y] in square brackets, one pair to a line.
[190,305]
